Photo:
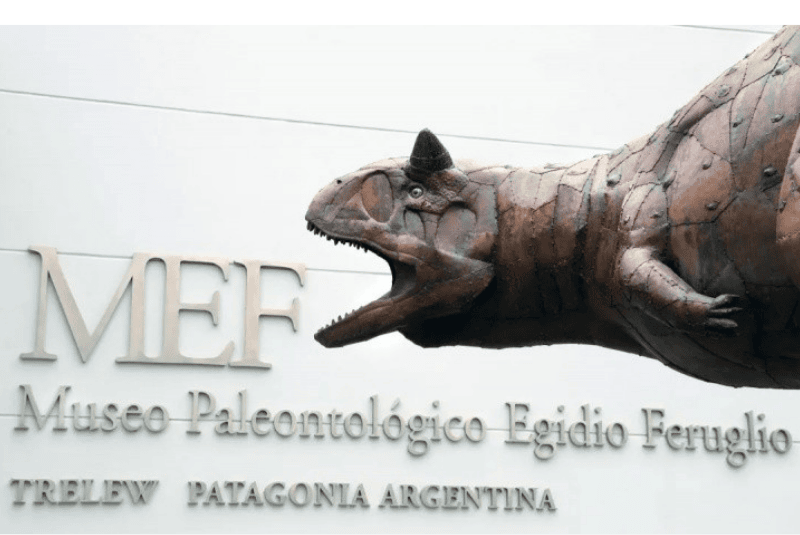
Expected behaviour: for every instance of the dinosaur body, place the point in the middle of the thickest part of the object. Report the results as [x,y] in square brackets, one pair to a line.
[683,245]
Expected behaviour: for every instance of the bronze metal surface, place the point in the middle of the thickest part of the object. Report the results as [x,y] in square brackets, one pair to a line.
[683,245]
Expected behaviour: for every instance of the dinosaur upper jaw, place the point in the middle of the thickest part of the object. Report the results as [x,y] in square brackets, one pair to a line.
[420,289]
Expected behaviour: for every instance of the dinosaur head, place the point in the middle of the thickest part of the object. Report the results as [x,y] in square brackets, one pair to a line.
[427,220]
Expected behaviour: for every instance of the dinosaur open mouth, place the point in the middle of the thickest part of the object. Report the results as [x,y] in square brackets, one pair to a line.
[376,317]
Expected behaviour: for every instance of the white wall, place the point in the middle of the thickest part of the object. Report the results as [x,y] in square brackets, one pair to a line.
[212,141]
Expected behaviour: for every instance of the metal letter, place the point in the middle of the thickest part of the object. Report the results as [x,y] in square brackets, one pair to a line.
[253,310]
[51,269]
[141,491]
[674,432]
[196,490]
[19,491]
[28,400]
[170,353]
[196,414]
[513,422]
[648,418]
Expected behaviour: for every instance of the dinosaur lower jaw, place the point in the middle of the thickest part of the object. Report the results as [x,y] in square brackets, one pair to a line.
[384,315]
[380,316]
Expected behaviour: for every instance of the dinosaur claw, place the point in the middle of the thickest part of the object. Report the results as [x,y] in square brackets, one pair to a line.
[721,312]
[718,315]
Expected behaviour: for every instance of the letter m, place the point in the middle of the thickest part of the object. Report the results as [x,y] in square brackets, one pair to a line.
[51,271]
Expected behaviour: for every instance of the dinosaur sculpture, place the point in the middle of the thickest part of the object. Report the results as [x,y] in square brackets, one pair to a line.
[683,245]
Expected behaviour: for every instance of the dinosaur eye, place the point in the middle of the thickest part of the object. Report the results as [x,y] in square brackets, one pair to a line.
[416,192]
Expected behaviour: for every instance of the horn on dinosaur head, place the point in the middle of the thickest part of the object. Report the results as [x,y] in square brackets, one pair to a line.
[429,156]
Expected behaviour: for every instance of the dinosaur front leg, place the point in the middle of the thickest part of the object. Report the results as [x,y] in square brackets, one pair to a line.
[649,285]
[788,221]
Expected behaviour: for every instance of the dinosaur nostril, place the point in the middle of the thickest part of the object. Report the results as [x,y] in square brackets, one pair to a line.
[376,195]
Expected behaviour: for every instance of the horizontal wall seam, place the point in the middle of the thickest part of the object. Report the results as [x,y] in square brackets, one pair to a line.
[324,424]
[123,257]
[722,29]
[292,121]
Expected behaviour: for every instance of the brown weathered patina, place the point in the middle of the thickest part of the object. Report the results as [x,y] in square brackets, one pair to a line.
[683,245]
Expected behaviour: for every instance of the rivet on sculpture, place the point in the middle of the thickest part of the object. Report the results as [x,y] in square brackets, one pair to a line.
[683,245]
